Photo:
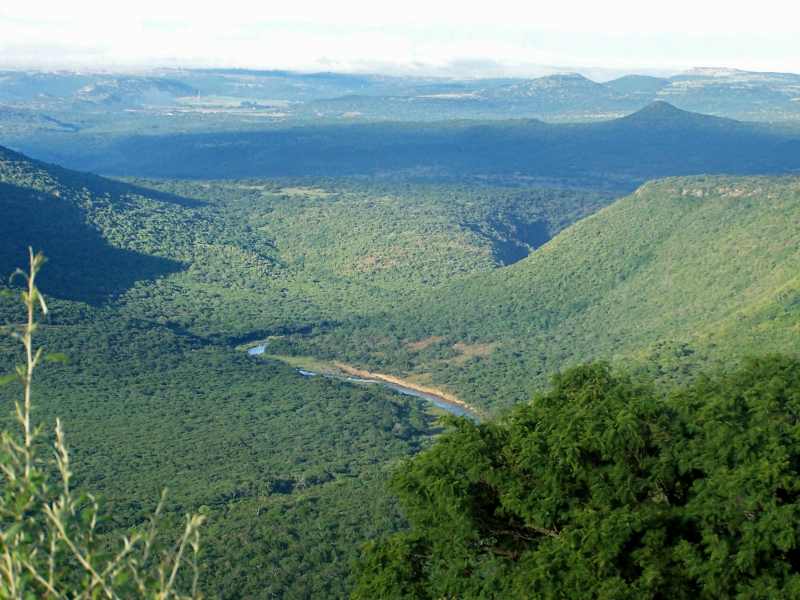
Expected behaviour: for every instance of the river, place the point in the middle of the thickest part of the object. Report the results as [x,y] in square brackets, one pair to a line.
[442,403]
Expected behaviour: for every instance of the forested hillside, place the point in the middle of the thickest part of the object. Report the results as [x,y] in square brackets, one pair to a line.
[43,205]
[679,275]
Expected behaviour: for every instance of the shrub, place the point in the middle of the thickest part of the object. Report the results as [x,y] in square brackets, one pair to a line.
[604,488]
[50,546]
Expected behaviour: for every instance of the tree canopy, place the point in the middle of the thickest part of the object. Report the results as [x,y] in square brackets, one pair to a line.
[604,488]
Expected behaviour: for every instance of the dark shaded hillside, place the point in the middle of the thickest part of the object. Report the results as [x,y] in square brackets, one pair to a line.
[84,266]
[17,168]
[657,141]
[48,207]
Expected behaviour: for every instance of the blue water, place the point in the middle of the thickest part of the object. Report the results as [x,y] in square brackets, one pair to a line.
[453,409]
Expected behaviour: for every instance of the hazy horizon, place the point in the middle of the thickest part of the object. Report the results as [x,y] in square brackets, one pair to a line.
[456,71]
[445,39]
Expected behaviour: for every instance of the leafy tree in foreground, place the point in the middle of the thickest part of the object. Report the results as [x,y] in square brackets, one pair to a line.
[49,542]
[601,488]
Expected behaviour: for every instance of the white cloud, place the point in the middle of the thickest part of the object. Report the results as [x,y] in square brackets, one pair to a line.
[623,34]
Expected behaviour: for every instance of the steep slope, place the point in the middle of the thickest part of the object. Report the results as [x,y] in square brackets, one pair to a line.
[685,271]
[48,207]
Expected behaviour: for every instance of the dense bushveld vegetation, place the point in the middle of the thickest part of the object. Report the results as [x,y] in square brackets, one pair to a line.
[155,282]
[682,275]
[287,471]
[602,488]
[230,259]
[150,288]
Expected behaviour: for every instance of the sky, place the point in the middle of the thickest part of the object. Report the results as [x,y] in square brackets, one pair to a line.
[463,38]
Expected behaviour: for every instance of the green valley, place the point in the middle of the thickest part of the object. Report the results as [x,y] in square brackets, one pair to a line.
[153,285]
[473,260]
[674,278]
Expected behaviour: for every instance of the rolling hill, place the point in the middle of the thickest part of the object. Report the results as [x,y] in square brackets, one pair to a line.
[682,275]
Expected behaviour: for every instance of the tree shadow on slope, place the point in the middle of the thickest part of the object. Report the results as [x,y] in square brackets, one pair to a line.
[86,267]
[119,192]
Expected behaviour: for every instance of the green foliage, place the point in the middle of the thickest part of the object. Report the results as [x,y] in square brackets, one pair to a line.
[685,274]
[167,277]
[602,489]
[338,248]
[235,258]
[282,466]
[155,394]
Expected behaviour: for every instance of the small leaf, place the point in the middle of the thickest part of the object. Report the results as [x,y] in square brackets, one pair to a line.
[41,302]
[12,531]
[58,357]
[120,579]
[6,379]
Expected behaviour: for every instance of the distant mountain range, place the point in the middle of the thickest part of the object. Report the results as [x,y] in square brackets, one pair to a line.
[658,140]
[250,97]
